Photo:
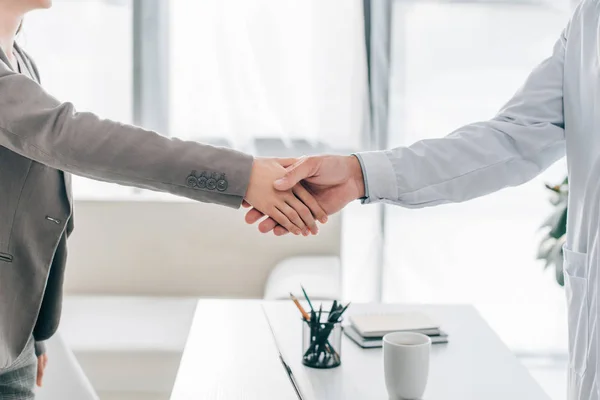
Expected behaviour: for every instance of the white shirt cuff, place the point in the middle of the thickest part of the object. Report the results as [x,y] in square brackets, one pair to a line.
[379,176]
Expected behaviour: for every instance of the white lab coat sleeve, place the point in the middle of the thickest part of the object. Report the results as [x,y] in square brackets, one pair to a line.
[524,138]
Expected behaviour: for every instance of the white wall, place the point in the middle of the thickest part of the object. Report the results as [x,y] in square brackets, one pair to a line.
[178,248]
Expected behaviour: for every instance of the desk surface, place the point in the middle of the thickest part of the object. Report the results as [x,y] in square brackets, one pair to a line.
[230,355]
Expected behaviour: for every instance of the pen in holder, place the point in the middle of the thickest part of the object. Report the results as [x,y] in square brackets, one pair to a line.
[321,334]
[322,342]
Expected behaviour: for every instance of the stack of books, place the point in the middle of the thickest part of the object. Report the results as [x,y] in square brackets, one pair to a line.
[367,330]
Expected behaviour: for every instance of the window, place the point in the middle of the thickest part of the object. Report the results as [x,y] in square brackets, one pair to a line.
[83,50]
[279,78]
[453,64]
[247,71]
[82,61]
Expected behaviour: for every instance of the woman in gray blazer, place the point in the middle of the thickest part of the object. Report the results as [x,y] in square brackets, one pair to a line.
[42,141]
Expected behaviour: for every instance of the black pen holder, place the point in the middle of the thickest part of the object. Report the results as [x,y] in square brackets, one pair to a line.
[322,343]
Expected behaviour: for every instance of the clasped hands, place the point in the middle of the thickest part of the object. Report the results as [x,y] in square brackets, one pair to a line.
[294,193]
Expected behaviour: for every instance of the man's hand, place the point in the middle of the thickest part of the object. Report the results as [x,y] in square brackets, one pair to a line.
[293,207]
[334,181]
[41,367]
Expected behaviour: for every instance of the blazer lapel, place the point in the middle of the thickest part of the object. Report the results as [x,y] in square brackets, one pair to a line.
[4,59]
[67,178]
[33,72]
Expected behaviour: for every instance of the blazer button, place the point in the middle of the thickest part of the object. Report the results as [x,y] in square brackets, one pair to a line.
[222,185]
[191,181]
[211,184]
[202,182]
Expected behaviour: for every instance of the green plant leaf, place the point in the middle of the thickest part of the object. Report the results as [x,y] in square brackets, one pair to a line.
[560,277]
[550,248]
[559,273]
[560,228]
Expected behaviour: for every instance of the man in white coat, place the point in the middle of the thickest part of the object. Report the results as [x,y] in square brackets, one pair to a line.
[556,110]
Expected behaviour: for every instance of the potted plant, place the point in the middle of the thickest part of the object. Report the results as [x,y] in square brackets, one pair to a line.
[550,249]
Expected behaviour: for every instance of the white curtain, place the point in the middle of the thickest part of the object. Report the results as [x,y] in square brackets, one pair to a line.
[289,69]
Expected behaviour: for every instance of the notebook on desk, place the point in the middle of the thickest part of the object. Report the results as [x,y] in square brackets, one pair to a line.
[375,342]
[378,325]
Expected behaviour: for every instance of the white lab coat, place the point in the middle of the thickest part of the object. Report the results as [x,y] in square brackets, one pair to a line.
[557,108]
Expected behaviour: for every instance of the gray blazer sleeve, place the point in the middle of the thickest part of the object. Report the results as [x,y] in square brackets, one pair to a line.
[40,348]
[37,126]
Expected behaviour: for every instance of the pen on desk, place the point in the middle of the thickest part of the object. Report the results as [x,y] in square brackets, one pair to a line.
[297,303]
[287,368]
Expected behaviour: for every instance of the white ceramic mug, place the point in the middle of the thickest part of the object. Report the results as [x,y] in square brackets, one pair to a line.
[406,364]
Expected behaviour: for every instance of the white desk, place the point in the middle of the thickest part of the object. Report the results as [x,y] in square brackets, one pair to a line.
[230,355]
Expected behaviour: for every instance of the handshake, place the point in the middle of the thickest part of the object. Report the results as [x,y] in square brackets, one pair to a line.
[294,193]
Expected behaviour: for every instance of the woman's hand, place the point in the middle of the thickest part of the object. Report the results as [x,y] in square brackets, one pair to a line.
[41,367]
[294,209]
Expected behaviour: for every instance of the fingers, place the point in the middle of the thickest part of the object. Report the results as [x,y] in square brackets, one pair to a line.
[281,218]
[280,231]
[41,366]
[253,216]
[304,213]
[304,168]
[303,203]
[286,162]
[291,224]
[308,199]
[245,204]
[293,215]
[268,225]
